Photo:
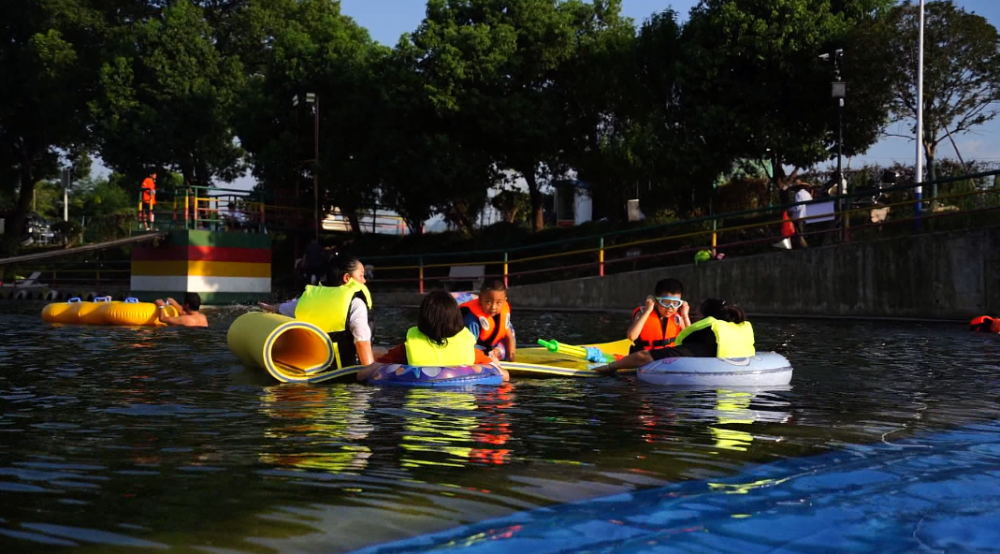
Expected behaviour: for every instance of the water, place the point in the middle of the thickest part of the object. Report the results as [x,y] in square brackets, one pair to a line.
[115,439]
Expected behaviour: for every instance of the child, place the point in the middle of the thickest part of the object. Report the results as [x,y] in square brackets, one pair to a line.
[648,332]
[440,338]
[723,332]
[488,319]
[985,324]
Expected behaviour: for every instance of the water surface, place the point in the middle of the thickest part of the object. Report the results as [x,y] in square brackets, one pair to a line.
[113,439]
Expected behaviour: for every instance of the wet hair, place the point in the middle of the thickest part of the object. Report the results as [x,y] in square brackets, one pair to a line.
[439,317]
[665,286]
[193,301]
[722,310]
[340,266]
[493,284]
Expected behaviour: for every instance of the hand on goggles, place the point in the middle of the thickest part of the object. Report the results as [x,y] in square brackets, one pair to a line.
[670,302]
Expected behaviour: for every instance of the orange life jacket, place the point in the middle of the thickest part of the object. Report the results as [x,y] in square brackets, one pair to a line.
[985,324]
[656,333]
[148,189]
[492,330]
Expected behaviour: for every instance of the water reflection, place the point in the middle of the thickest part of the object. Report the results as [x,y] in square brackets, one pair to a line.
[454,428]
[317,428]
[733,409]
[161,435]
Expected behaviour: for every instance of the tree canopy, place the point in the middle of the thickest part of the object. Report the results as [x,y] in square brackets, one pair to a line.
[482,92]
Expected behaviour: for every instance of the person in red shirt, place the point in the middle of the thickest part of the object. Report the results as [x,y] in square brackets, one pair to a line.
[148,201]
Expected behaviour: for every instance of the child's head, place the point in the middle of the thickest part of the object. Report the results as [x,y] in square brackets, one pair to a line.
[492,296]
[439,317]
[722,310]
[668,296]
[345,268]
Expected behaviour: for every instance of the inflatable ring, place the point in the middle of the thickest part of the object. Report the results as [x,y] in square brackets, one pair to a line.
[103,311]
[433,376]
[765,369]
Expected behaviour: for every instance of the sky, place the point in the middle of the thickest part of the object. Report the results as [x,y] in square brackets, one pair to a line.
[386,20]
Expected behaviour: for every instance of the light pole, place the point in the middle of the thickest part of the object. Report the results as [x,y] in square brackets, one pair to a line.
[838,90]
[919,190]
[313,98]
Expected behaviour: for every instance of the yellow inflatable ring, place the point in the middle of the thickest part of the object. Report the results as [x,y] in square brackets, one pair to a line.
[104,311]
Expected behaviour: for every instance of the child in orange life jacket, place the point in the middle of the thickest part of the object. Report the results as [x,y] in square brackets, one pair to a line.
[664,316]
[488,319]
[985,324]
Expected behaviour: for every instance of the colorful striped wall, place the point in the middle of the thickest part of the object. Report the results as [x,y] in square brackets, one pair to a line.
[221,267]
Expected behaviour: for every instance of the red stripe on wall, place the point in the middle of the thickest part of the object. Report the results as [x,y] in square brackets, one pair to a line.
[201,254]
[218,254]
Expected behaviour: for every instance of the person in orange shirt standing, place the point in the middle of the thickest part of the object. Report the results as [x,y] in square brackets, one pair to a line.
[148,200]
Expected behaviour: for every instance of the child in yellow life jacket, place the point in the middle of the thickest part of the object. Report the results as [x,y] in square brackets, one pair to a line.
[439,339]
[488,319]
[664,316]
[723,332]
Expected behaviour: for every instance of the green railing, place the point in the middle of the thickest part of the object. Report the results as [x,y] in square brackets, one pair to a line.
[962,202]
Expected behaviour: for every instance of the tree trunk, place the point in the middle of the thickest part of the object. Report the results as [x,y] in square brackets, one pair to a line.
[351,213]
[15,225]
[416,227]
[931,152]
[537,207]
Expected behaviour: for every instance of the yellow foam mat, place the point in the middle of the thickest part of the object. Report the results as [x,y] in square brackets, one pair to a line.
[291,350]
[538,361]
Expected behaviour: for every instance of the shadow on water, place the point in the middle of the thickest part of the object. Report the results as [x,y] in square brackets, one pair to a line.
[115,438]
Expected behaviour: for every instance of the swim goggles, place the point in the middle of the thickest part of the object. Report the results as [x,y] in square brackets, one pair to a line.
[670,302]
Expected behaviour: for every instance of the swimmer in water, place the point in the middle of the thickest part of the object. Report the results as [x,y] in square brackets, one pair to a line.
[188,314]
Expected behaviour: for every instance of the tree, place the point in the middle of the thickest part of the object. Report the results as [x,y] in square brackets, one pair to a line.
[167,99]
[493,65]
[513,205]
[961,70]
[751,84]
[49,58]
[302,47]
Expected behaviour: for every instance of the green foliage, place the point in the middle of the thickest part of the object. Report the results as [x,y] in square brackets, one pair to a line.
[49,55]
[753,86]
[961,69]
[167,97]
[513,205]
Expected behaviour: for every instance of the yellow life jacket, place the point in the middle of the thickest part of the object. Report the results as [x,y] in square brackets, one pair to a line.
[327,307]
[734,340]
[457,350]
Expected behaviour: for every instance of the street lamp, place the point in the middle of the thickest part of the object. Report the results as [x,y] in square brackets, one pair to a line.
[919,190]
[313,98]
[838,90]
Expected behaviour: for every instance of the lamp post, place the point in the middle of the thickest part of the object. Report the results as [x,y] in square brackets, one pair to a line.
[838,90]
[313,98]
[919,190]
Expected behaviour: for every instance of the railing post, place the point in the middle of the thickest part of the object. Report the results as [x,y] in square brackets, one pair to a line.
[715,237]
[505,283]
[421,262]
[600,258]
[847,221]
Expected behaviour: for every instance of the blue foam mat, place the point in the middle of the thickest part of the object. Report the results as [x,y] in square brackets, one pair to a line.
[932,493]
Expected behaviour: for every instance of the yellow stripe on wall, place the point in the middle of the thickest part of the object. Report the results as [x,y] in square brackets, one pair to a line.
[202,268]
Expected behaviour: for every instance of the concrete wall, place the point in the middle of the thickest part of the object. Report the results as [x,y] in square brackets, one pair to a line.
[952,275]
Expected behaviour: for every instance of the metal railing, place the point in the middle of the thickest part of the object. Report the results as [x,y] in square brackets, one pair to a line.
[962,202]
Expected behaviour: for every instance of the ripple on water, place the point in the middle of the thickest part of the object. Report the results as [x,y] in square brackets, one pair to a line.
[209,456]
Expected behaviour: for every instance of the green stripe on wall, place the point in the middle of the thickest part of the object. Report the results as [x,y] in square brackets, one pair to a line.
[220,239]
[207,298]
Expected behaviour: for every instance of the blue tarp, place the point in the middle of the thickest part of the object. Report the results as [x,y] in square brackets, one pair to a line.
[934,493]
